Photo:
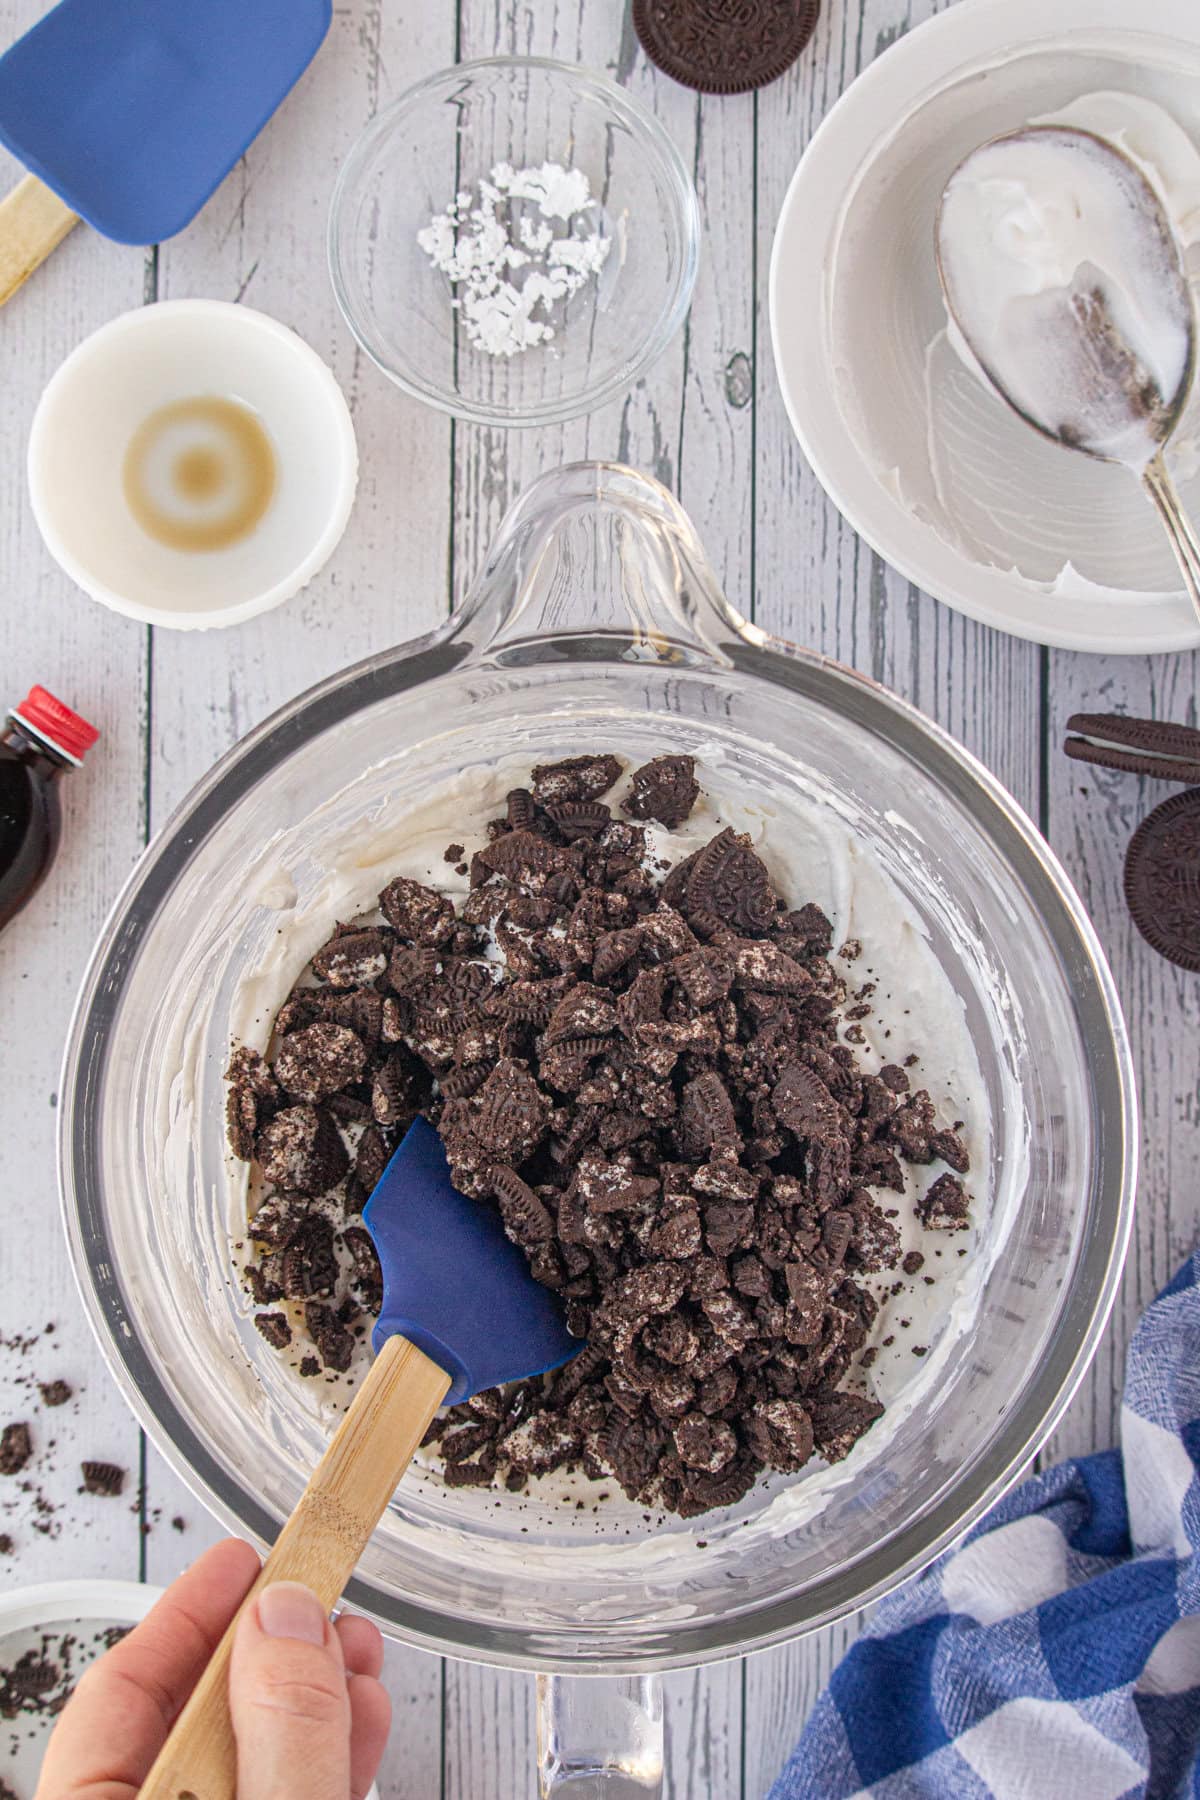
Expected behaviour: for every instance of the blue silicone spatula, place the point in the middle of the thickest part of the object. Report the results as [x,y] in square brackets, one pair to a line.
[128,113]
[460,1313]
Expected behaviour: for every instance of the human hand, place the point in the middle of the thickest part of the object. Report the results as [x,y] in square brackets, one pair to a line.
[309,1713]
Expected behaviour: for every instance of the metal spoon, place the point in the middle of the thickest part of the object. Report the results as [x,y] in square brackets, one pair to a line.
[1063,357]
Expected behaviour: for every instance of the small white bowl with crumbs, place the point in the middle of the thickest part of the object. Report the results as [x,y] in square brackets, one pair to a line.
[922,458]
[514,241]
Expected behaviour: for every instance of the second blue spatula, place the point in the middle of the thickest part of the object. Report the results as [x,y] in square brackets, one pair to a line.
[460,1313]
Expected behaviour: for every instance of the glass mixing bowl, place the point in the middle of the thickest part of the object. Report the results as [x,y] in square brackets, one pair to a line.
[442,137]
[596,623]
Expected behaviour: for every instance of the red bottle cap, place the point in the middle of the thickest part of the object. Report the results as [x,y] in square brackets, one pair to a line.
[50,719]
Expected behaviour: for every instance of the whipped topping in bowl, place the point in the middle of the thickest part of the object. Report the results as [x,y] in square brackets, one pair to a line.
[1065,286]
[941,476]
[813,853]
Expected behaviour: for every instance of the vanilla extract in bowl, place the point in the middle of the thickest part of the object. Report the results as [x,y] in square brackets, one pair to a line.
[200,474]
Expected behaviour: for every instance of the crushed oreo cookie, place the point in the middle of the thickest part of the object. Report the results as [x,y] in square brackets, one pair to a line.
[724,49]
[42,1679]
[649,1077]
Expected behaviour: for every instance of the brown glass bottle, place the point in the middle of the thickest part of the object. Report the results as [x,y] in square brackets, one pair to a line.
[39,741]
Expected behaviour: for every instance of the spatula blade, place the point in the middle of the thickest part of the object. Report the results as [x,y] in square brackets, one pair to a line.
[134,113]
[453,1282]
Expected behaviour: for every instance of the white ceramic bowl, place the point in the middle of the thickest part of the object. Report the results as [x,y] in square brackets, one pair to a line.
[855,303]
[85,1609]
[144,360]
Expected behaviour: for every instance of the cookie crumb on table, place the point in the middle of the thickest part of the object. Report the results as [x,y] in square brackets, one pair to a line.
[650,1079]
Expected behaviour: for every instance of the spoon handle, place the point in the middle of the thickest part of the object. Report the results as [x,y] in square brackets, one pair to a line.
[1186,544]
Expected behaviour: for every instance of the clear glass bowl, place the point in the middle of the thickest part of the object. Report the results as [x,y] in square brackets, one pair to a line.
[444,135]
[597,621]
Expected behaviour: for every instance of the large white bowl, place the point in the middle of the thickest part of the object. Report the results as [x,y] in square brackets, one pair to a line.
[854,303]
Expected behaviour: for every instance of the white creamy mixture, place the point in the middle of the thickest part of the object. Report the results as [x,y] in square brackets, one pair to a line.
[812,856]
[484,238]
[1063,275]
[978,521]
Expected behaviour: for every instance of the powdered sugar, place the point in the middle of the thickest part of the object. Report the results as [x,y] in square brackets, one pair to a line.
[483,239]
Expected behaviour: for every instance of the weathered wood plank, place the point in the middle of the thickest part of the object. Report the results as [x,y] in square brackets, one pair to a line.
[412,1763]
[716,420]
[814,579]
[781,1689]
[493,466]
[702,1717]
[50,633]
[705,1727]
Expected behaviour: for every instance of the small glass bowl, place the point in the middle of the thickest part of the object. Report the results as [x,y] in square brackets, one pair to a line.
[443,136]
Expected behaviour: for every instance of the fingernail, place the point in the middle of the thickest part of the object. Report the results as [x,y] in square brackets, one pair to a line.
[287,1609]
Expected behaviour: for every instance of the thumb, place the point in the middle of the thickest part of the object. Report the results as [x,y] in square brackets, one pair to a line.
[289,1699]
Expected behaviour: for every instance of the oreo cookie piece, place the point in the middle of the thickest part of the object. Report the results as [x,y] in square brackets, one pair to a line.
[103,1478]
[1135,746]
[724,46]
[319,1061]
[1162,879]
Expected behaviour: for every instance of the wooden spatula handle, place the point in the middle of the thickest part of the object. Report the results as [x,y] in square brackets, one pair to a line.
[320,1545]
[33,222]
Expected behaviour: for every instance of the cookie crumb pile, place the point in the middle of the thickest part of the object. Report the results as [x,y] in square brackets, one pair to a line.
[644,1066]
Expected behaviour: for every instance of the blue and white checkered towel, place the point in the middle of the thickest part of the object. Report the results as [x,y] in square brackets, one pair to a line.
[1055,1655]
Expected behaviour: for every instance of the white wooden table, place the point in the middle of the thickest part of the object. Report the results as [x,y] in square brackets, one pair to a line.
[709,422]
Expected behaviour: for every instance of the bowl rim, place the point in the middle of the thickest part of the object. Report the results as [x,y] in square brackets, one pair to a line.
[652,133]
[935,54]
[224,316]
[1040,1401]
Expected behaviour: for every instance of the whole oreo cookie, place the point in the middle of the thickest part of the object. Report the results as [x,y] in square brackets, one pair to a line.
[1135,746]
[1162,879]
[724,46]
